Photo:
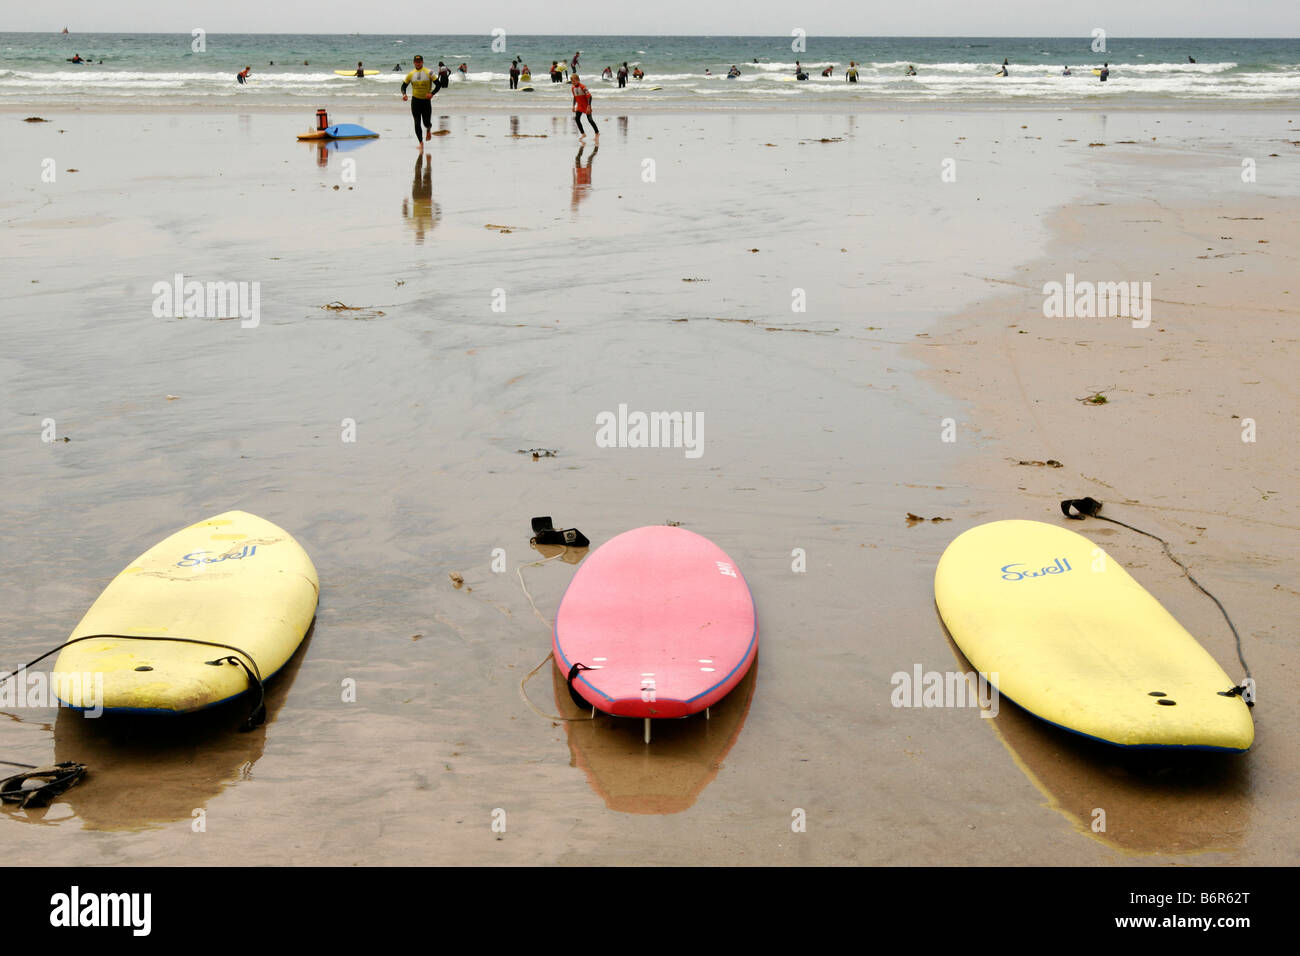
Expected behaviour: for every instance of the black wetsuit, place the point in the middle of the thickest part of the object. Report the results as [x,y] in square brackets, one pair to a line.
[421,108]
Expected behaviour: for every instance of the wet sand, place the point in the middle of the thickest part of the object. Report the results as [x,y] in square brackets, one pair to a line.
[821,434]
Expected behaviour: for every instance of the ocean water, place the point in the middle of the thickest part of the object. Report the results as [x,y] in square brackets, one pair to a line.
[169,70]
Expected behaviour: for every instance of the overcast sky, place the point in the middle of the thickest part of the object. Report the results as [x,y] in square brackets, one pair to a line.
[1120,18]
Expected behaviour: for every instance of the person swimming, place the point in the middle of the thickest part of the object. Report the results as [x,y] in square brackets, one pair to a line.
[910,71]
[733,72]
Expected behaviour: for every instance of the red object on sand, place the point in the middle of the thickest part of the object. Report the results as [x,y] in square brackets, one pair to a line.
[663,619]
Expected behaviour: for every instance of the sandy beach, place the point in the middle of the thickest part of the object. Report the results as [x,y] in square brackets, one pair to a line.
[825,289]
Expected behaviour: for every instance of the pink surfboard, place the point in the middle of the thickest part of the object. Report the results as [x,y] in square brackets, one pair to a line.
[662,619]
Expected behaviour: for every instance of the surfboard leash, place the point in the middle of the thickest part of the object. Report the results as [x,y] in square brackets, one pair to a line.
[519,572]
[241,657]
[1091,508]
[39,785]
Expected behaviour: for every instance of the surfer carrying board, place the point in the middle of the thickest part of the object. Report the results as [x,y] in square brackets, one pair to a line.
[423,86]
[582,104]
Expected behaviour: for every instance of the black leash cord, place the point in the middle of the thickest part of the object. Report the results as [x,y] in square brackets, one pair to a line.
[255,718]
[1091,507]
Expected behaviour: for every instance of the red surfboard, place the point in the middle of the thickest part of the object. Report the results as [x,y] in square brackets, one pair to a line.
[663,622]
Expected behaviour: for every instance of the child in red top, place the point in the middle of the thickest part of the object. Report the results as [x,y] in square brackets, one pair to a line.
[582,104]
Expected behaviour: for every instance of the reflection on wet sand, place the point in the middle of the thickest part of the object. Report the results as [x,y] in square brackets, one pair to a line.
[1150,801]
[582,176]
[665,776]
[149,770]
[325,147]
[420,210]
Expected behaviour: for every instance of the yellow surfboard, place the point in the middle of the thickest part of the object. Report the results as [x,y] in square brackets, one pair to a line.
[235,580]
[1062,630]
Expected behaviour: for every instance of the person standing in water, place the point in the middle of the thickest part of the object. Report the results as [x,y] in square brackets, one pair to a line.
[423,86]
[514,74]
[242,75]
[360,70]
[582,104]
[573,66]
[851,74]
[1105,72]
[622,75]
[444,75]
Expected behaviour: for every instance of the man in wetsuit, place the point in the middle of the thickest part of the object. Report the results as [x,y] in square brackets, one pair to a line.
[444,75]
[582,104]
[514,74]
[423,86]
[622,75]
[851,74]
